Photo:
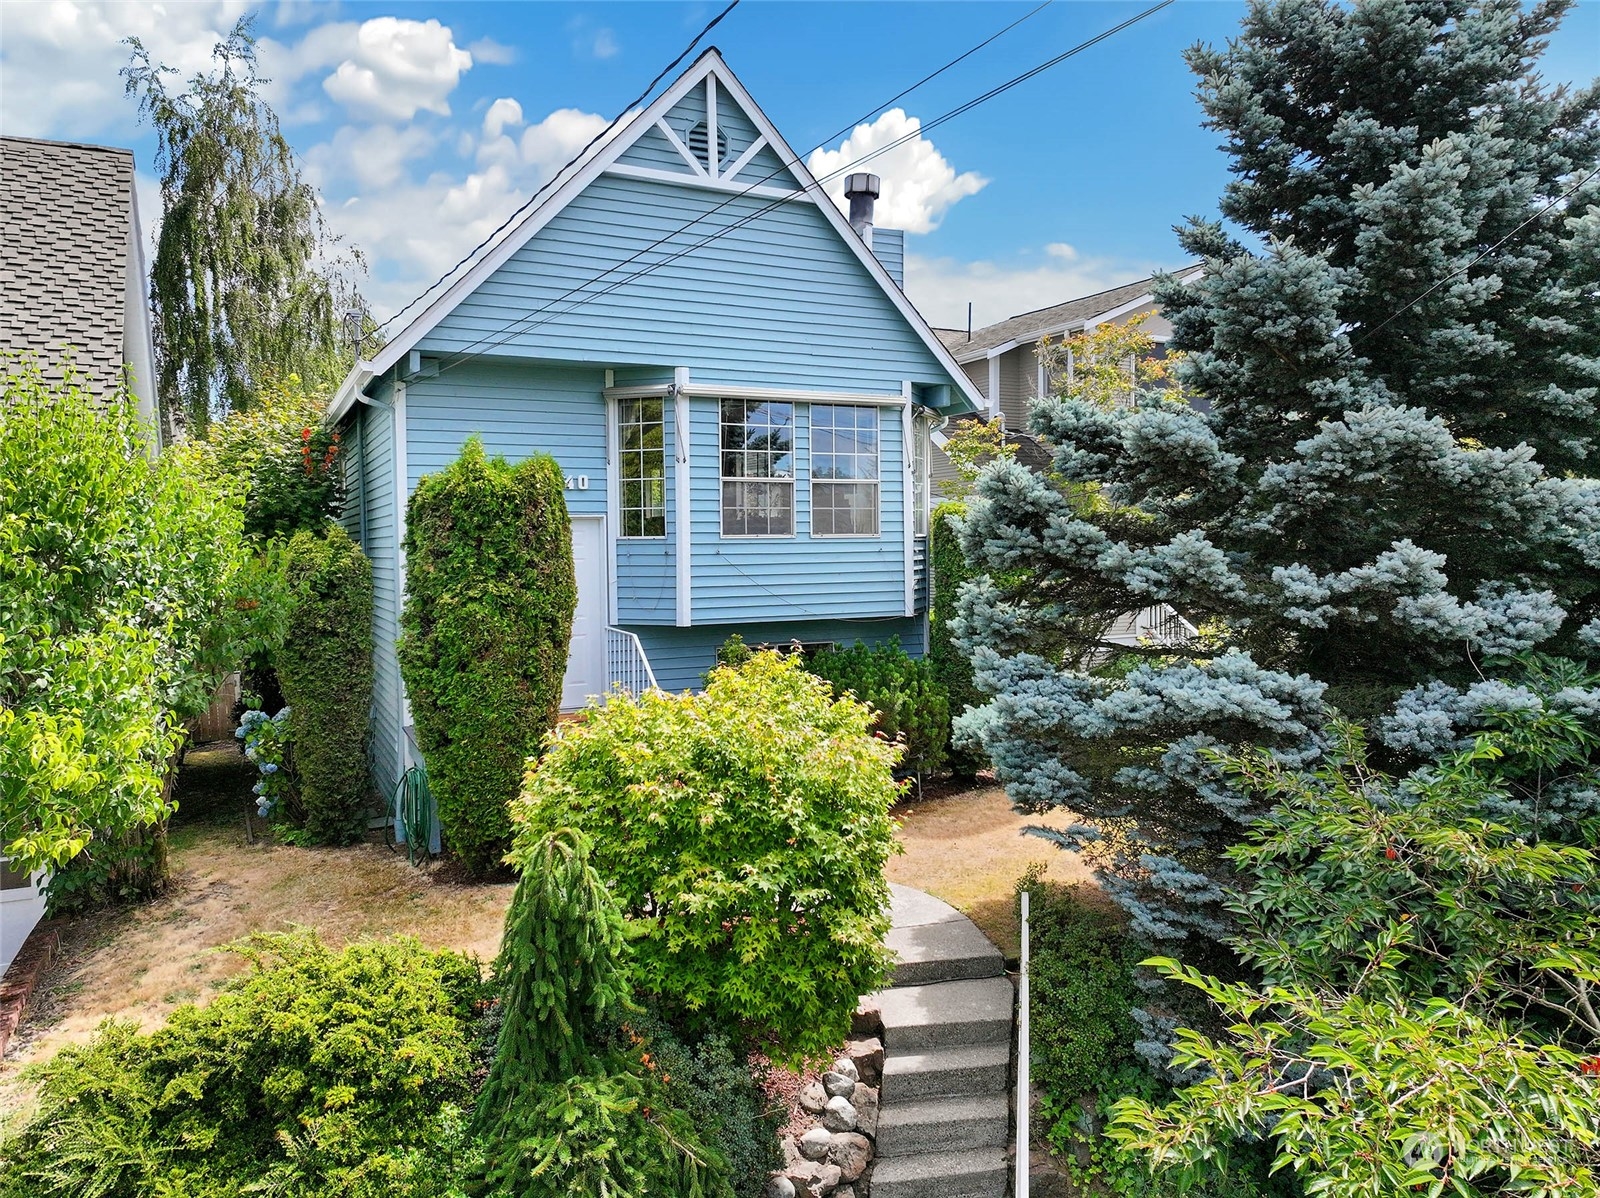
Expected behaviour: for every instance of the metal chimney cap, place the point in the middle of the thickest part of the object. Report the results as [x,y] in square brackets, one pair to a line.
[863,184]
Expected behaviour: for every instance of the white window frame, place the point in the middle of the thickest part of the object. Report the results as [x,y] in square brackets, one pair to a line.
[876,483]
[921,473]
[622,480]
[723,478]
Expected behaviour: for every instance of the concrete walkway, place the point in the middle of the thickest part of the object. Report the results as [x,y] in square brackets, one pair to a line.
[944,1117]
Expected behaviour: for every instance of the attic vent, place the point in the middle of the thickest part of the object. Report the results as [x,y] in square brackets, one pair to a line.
[697,139]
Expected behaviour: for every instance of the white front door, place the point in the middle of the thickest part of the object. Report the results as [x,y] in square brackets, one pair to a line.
[586,658]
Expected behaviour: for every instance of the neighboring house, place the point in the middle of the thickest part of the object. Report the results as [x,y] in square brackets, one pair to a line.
[1002,360]
[72,278]
[72,288]
[744,429]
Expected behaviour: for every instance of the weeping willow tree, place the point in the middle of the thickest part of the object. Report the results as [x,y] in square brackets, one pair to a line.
[247,281]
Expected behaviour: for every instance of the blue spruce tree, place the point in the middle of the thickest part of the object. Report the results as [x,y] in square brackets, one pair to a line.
[1391,489]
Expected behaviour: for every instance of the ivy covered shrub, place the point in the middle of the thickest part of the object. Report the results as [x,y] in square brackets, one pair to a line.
[952,668]
[318,1073]
[490,595]
[908,704]
[325,670]
[744,831]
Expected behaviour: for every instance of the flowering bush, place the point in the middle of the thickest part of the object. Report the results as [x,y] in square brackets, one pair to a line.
[267,743]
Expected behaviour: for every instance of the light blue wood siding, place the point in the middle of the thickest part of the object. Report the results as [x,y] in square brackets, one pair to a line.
[375,480]
[517,409]
[656,152]
[681,656]
[890,247]
[778,302]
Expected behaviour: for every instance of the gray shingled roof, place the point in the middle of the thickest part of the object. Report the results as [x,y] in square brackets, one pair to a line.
[65,235]
[1030,326]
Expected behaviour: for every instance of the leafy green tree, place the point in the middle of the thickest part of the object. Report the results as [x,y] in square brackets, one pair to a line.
[744,831]
[909,704]
[246,282]
[952,668]
[490,595]
[325,669]
[118,619]
[1385,490]
[1431,967]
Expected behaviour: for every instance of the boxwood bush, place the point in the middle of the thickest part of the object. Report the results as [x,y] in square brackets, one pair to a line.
[318,1073]
[744,831]
[908,705]
[490,595]
[325,670]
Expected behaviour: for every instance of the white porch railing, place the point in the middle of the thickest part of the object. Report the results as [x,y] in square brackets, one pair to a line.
[1023,1157]
[1158,624]
[626,664]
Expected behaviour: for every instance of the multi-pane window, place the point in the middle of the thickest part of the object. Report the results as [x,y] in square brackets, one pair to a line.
[757,468]
[642,468]
[844,470]
[920,471]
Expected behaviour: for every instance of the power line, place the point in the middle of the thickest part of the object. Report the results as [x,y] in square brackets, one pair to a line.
[562,170]
[521,324]
[783,164]
[1404,308]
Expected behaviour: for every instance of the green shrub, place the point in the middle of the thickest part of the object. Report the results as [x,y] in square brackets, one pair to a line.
[318,1073]
[908,705]
[325,669]
[951,668]
[490,594]
[744,831]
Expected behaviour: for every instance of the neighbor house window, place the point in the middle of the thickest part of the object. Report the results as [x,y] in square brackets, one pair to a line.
[642,468]
[757,468]
[844,471]
[920,469]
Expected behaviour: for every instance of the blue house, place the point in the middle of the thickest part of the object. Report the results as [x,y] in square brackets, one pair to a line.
[727,370]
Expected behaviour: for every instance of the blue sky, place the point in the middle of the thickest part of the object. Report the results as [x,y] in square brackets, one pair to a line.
[424,124]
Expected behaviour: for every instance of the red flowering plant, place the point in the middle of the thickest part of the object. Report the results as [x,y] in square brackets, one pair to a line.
[296,487]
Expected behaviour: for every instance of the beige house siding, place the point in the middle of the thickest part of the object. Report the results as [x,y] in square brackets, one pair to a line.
[1019,383]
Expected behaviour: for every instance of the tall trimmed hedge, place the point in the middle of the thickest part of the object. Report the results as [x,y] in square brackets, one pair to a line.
[908,704]
[951,668]
[490,595]
[325,670]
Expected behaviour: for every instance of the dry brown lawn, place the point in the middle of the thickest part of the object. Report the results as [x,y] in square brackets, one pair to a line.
[968,848]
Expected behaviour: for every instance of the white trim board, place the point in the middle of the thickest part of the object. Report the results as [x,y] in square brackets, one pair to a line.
[884,399]
[709,65]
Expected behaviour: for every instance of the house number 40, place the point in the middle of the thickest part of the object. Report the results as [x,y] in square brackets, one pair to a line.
[577,482]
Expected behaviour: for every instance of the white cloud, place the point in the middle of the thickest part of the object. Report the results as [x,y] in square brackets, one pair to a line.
[559,136]
[59,61]
[504,111]
[941,288]
[490,52]
[366,157]
[590,41]
[398,68]
[919,184]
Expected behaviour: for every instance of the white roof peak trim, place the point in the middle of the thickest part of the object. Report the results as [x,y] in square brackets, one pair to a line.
[677,144]
[605,155]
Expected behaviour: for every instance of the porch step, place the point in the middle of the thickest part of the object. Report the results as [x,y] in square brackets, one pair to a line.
[980,1173]
[943,1014]
[947,1072]
[953,1124]
[947,951]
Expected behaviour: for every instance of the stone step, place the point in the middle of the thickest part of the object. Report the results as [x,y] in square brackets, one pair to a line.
[948,1124]
[946,1013]
[978,1174]
[946,1072]
[948,951]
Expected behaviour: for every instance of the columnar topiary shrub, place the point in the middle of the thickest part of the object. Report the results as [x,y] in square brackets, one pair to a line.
[321,1074]
[744,832]
[325,669]
[952,668]
[909,705]
[490,595]
[1386,491]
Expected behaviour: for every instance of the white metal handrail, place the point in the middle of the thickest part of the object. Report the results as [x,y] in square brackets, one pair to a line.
[1159,624]
[626,663]
[1020,1188]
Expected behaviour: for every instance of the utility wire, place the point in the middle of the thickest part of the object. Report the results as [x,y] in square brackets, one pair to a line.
[1404,308]
[531,200]
[522,324]
[783,164]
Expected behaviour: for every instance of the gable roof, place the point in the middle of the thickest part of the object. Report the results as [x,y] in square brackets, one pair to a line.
[67,228]
[1052,321]
[591,167]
